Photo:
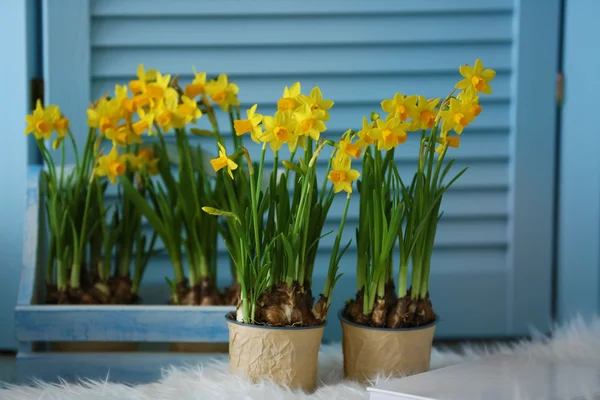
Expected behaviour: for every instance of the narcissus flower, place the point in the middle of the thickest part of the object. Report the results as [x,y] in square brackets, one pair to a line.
[347,147]
[111,165]
[457,116]
[390,133]
[223,161]
[122,135]
[315,101]
[61,126]
[279,130]
[447,141]
[105,115]
[156,90]
[197,85]
[144,124]
[310,122]
[476,76]
[251,124]
[124,102]
[187,112]
[41,121]
[139,85]
[289,101]
[222,92]
[145,161]
[400,106]
[341,174]
[364,137]
[424,114]
[469,97]
[164,113]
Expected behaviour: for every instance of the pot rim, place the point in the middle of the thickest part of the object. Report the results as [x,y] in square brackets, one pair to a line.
[416,328]
[280,328]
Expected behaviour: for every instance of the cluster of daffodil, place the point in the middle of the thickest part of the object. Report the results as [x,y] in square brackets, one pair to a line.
[391,210]
[173,203]
[274,240]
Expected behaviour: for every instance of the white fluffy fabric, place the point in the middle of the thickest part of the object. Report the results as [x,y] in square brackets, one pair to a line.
[578,342]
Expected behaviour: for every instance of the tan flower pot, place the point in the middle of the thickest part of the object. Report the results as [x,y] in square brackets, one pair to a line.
[286,356]
[94,347]
[371,351]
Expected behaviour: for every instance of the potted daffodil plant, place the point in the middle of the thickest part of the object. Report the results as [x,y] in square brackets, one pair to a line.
[274,234]
[388,327]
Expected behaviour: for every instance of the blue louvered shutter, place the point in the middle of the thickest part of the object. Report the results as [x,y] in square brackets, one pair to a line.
[491,268]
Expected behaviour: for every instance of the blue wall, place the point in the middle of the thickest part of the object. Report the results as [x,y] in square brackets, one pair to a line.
[18,40]
[579,212]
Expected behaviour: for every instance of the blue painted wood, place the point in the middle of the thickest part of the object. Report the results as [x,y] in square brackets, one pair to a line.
[579,203]
[137,323]
[191,8]
[66,51]
[532,168]
[34,240]
[18,41]
[125,368]
[356,53]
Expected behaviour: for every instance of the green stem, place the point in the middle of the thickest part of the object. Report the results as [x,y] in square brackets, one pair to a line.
[333,267]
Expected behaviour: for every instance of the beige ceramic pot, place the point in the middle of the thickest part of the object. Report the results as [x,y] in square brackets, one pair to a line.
[286,356]
[370,351]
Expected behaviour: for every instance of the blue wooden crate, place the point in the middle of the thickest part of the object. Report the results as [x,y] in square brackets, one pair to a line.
[37,324]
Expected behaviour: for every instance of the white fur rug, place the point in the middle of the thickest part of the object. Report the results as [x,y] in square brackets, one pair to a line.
[578,342]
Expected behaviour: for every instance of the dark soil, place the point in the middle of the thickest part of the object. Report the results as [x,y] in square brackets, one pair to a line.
[284,305]
[390,312]
[202,294]
[231,295]
[117,290]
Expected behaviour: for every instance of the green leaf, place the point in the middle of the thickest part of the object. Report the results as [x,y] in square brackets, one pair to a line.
[142,205]
[202,132]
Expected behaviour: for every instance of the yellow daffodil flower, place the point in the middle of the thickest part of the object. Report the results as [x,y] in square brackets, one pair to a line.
[469,97]
[222,92]
[144,124]
[347,147]
[364,138]
[476,76]
[111,165]
[41,121]
[457,116]
[315,101]
[197,85]
[122,135]
[164,112]
[390,133]
[445,142]
[105,115]
[187,112]
[424,114]
[310,122]
[289,101]
[126,103]
[61,126]
[156,90]
[145,161]
[138,85]
[341,174]
[401,106]
[251,124]
[279,130]
[141,100]
[223,161]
